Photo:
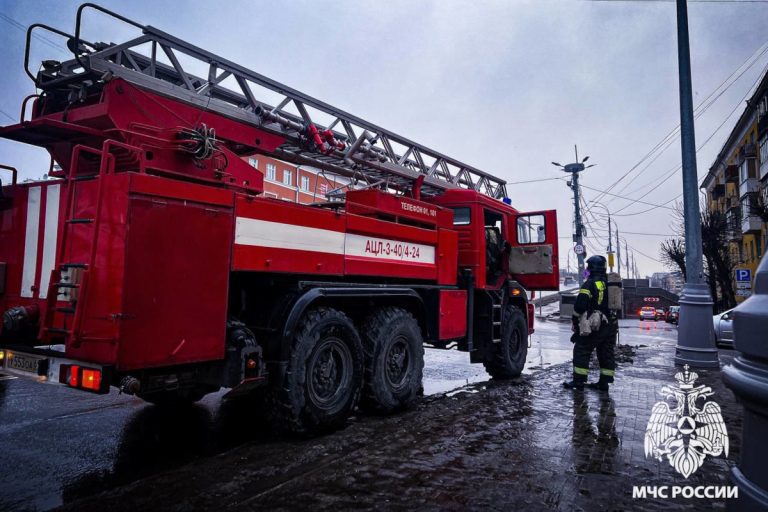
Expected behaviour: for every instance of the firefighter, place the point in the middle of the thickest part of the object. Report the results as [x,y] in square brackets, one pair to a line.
[595,328]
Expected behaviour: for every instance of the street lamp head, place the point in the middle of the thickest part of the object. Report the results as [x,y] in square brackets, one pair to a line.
[573,168]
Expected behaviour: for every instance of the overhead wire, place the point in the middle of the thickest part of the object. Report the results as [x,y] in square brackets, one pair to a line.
[704,105]
[674,170]
[14,23]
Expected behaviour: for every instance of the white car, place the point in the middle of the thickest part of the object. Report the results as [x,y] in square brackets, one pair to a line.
[647,313]
[723,324]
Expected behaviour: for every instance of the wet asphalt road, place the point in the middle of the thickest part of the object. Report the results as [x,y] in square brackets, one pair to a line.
[58,445]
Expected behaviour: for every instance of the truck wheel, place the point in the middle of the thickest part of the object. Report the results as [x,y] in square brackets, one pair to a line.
[324,375]
[507,359]
[394,360]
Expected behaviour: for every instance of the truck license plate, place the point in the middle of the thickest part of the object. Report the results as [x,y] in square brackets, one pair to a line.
[23,363]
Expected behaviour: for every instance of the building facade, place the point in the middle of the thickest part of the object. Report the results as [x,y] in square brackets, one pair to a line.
[295,183]
[737,186]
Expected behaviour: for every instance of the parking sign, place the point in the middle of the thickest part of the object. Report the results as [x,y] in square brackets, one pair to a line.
[743,275]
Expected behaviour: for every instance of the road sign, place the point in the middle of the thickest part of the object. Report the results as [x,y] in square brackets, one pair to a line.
[743,275]
[578,249]
[743,286]
[743,293]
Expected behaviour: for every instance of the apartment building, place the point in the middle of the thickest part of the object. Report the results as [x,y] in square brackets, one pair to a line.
[737,185]
[296,183]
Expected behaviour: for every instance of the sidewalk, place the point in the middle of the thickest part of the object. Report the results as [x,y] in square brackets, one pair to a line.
[529,445]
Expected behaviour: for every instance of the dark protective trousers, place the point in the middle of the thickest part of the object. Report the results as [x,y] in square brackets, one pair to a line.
[603,342]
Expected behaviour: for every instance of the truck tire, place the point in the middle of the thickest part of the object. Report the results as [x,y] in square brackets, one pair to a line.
[394,360]
[507,359]
[324,375]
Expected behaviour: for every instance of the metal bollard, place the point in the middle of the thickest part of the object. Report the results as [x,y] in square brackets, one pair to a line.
[748,378]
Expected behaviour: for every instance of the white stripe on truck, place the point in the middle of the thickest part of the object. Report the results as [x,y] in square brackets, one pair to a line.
[29,269]
[262,233]
[50,237]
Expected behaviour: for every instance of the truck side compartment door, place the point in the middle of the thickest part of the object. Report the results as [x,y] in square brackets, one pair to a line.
[533,258]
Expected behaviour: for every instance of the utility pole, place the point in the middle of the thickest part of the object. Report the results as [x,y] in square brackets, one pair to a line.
[610,233]
[695,334]
[626,253]
[618,251]
[610,244]
[578,236]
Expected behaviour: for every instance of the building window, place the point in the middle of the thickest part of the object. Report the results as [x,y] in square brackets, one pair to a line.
[323,188]
[287,177]
[253,163]
[271,172]
[305,183]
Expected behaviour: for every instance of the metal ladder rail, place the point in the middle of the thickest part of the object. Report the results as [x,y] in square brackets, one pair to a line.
[357,151]
[56,283]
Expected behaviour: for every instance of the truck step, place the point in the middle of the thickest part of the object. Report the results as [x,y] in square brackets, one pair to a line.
[81,221]
[73,265]
[57,330]
[66,285]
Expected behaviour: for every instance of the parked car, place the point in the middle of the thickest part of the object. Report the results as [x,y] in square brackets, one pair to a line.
[673,315]
[647,313]
[723,324]
[660,314]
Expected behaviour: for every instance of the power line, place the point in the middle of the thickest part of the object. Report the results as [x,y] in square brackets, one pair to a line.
[533,181]
[674,170]
[704,105]
[12,22]
[627,198]
[9,116]
[641,234]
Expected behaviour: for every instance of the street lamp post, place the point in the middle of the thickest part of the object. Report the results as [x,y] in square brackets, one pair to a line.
[610,234]
[578,236]
[695,335]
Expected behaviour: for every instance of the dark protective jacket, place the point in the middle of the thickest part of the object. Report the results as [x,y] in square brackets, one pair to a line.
[592,296]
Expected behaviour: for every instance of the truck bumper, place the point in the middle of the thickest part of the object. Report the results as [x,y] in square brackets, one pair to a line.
[53,367]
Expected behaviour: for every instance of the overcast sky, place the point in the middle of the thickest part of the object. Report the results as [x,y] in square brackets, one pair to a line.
[506,86]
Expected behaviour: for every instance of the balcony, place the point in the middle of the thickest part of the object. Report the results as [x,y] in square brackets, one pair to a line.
[762,125]
[733,224]
[747,151]
[751,223]
[732,174]
[749,186]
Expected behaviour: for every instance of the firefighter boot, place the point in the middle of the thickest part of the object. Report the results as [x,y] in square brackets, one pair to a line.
[599,385]
[577,383]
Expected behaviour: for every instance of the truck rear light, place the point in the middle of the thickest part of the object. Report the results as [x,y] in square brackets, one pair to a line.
[80,377]
[91,379]
[74,376]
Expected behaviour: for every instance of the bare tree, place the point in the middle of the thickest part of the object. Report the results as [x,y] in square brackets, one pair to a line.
[718,264]
[717,256]
[672,253]
[759,207]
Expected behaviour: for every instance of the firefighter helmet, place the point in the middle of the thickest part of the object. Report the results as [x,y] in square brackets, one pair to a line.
[596,264]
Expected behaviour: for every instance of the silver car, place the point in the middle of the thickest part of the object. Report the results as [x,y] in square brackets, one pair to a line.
[723,324]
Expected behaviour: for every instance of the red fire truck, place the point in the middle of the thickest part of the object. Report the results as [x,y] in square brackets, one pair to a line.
[153,262]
